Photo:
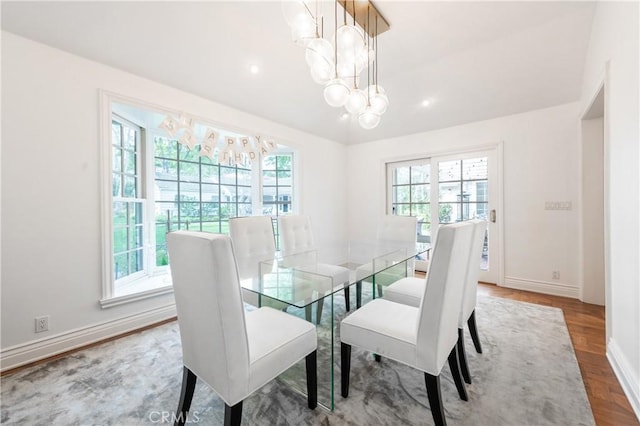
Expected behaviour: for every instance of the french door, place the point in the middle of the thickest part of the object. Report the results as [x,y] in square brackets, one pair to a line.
[446,189]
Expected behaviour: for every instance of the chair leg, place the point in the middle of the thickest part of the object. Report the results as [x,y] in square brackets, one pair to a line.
[186,395]
[435,399]
[233,415]
[377,357]
[462,357]
[312,379]
[319,307]
[454,366]
[474,331]
[347,301]
[358,294]
[379,291]
[345,367]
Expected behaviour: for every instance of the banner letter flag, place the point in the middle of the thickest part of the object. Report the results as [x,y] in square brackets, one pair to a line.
[186,122]
[170,125]
[188,139]
[245,143]
[231,144]
[208,145]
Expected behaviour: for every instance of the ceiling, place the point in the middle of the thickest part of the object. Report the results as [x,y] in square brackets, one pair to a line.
[471,60]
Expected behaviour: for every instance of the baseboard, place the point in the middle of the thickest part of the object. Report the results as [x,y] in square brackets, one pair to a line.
[555,289]
[622,370]
[25,353]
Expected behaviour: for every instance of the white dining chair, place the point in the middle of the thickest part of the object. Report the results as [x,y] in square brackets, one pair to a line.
[410,291]
[253,242]
[296,238]
[424,337]
[393,232]
[233,352]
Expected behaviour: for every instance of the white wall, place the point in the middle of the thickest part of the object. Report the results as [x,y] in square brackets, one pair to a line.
[540,164]
[612,56]
[51,228]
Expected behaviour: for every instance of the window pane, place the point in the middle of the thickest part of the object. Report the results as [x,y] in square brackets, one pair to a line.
[166,190]
[449,170]
[189,155]
[420,193]
[129,138]
[189,172]
[401,176]
[136,261]
[421,174]
[403,209]
[268,194]
[285,193]
[228,210]
[475,191]
[228,193]
[120,266]
[116,159]
[116,185]
[166,169]
[211,227]
[120,239]
[402,194]
[210,192]
[244,177]
[189,191]
[421,211]
[475,168]
[209,211]
[448,213]
[244,209]
[227,175]
[129,162]
[130,190]
[209,173]
[244,194]
[165,148]
[449,191]
[116,128]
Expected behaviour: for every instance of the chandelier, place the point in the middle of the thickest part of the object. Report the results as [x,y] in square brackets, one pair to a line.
[338,65]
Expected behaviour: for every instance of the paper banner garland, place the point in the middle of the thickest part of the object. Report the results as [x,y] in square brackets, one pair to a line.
[234,150]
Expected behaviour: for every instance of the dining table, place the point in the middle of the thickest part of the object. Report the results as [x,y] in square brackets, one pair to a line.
[294,284]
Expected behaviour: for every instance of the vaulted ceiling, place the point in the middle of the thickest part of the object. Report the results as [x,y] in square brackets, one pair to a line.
[471,60]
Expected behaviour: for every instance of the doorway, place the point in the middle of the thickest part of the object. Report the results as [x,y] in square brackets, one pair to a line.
[593,201]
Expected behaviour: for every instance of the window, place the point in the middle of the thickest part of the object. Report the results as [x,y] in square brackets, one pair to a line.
[158,185]
[128,204]
[277,188]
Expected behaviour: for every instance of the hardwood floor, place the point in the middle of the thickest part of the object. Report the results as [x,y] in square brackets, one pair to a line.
[587,329]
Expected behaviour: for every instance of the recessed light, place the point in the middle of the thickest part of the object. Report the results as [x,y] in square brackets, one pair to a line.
[426,103]
[254,69]
[344,116]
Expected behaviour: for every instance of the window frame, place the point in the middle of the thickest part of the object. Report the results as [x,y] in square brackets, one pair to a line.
[156,274]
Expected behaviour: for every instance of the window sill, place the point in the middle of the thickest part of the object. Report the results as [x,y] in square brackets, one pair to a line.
[144,288]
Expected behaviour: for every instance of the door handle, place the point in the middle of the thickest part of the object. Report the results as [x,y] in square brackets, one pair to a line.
[492,216]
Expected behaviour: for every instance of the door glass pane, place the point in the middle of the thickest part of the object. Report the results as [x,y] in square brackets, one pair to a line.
[449,171]
[474,168]
[449,192]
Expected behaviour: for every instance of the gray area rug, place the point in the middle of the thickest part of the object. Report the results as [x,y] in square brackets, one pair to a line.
[527,375]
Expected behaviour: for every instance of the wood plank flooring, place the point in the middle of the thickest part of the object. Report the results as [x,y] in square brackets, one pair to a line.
[586,324]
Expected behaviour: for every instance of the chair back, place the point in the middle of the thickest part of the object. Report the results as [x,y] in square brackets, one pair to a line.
[442,300]
[210,310]
[253,242]
[295,234]
[471,282]
[399,232]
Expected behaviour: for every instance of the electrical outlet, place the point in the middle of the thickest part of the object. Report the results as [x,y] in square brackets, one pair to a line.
[42,324]
[555,275]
